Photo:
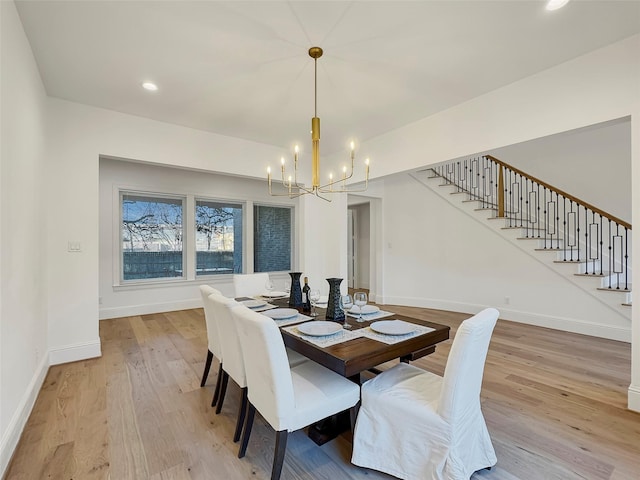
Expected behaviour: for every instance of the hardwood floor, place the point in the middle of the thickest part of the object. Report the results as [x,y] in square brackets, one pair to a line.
[555,405]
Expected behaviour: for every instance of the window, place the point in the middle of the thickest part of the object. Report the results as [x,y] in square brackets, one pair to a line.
[151,236]
[182,236]
[218,237]
[271,238]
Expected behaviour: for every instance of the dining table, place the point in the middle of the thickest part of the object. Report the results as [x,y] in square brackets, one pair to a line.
[362,349]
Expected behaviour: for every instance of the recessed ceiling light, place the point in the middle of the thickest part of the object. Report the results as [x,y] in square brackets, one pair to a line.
[152,87]
[556,4]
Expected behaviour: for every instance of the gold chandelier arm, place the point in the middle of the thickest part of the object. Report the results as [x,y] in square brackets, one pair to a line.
[348,189]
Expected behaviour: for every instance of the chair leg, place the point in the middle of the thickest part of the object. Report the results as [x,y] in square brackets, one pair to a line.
[241,415]
[223,391]
[216,392]
[207,366]
[251,412]
[353,415]
[278,456]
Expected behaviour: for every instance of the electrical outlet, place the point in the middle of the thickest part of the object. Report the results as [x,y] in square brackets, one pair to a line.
[507,300]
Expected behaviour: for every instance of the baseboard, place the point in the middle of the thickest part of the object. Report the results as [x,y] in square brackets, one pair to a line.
[634,398]
[16,425]
[547,321]
[74,353]
[145,309]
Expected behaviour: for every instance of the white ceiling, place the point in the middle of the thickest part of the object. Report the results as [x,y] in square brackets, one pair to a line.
[241,68]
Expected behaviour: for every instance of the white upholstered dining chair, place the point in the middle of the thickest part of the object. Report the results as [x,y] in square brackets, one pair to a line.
[213,341]
[250,284]
[416,425]
[233,362]
[232,353]
[288,398]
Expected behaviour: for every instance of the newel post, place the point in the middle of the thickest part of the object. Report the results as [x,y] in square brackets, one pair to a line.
[500,192]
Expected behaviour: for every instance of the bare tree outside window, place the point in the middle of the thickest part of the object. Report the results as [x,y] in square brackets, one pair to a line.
[152,235]
[218,237]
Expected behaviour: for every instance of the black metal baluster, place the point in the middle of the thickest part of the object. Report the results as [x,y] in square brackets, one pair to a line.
[546,217]
[601,245]
[626,258]
[578,231]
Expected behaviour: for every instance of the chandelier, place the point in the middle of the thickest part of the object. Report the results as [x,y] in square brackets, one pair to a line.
[291,187]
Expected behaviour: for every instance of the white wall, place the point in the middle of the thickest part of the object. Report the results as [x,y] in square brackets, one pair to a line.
[118,300]
[634,388]
[597,87]
[23,320]
[324,240]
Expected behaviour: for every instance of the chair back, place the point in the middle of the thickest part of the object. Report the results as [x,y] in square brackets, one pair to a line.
[462,382]
[210,320]
[250,284]
[231,351]
[267,367]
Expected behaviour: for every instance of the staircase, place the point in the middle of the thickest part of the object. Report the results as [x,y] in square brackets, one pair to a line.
[591,248]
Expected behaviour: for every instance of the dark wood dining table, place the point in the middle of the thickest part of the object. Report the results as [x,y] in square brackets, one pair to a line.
[358,355]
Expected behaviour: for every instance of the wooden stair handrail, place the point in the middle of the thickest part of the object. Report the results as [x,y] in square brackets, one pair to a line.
[564,194]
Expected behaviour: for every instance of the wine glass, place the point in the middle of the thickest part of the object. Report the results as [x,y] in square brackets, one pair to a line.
[287,285]
[314,296]
[346,304]
[269,287]
[360,299]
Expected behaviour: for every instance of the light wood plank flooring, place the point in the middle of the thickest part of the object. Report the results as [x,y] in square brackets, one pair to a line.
[555,405]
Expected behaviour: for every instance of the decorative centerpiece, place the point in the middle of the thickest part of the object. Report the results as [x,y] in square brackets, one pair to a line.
[334,312]
[295,295]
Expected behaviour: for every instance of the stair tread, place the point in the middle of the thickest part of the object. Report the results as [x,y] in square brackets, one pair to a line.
[522,227]
[554,240]
[614,289]
[600,275]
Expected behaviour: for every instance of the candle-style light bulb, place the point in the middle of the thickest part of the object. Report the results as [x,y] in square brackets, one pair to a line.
[366,162]
[352,150]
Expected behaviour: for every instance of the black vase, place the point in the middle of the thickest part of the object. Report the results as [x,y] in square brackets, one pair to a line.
[295,295]
[334,312]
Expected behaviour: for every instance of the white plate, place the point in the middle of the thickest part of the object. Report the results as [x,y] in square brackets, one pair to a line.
[366,310]
[275,294]
[281,313]
[254,303]
[393,327]
[319,328]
